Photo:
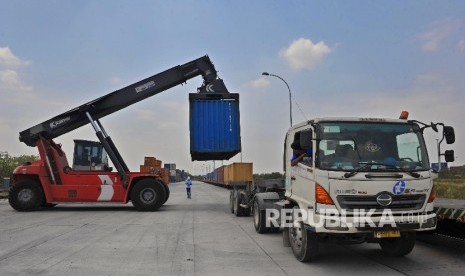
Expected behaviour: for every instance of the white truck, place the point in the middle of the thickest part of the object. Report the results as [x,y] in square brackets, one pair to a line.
[364,180]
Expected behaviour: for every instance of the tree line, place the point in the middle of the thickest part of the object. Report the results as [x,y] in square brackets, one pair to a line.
[8,163]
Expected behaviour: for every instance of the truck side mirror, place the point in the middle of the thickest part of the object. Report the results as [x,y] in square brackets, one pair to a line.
[449,155]
[306,139]
[449,133]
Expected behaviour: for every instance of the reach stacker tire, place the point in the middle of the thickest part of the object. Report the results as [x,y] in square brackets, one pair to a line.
[148,195]
[26,195]
[167,192]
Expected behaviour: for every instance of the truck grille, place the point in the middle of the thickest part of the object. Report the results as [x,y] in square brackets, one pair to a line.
[399,202]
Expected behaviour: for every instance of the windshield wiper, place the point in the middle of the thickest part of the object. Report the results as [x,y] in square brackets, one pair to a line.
[354,172]
[413,174]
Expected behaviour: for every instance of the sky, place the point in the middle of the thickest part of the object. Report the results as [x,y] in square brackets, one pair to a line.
[340,58]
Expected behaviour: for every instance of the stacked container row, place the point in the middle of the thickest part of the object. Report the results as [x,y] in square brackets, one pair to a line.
[151,165]
[230,174]
[221,175]
[165,175]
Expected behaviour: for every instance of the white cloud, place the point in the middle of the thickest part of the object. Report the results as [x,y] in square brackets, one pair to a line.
[304,54]
[115,80]
[461,45]
[13,89]
[11,86]
[433,39]
[259,83]
[9,60]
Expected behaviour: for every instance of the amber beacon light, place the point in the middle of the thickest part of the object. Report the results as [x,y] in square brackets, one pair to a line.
[404,115]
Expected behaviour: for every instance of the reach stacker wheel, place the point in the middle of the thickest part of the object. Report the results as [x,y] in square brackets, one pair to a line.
[26,195]
[148,195]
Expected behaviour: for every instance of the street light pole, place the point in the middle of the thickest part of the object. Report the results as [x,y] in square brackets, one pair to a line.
[290,97]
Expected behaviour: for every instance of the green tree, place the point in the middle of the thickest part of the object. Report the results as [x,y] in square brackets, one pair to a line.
[8,163]
[273,175]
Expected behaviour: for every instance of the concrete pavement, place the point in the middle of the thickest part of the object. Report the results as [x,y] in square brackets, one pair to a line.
[185,237]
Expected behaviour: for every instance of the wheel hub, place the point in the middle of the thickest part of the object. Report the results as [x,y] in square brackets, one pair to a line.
[148,195]
[256,214]
[296,233]
[25,195]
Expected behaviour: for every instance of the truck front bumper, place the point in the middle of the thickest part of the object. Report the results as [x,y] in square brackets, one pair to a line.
[356,224]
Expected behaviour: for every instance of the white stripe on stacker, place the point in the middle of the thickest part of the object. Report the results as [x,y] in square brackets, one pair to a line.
[106,190]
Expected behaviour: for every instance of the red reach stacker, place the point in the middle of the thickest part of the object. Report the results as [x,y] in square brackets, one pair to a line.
[51,180]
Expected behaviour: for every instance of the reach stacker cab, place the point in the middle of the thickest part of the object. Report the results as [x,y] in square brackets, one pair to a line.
[89,156]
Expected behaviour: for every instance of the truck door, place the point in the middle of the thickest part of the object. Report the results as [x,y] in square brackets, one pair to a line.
[300,163]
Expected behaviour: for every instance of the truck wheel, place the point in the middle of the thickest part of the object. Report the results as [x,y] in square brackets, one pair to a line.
[231,201]
[148,195]
[259,219]
[245,211]
[399,246]
[237,204]
[238,210]
[304,243]
[26,196]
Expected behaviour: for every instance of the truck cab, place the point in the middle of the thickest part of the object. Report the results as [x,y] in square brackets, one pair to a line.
[364,180]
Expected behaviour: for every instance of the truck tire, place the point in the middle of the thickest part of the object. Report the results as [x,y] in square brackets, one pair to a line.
[238,210]
[148,195]
[245,211]
[259,219]
[399,246]
[304,243]
[231,201]
[26,195]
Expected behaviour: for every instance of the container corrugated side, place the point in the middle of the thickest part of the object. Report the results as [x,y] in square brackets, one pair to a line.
[238,173]
[214,128]
[221,175]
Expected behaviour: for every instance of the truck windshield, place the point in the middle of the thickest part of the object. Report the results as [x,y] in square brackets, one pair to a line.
[349,146]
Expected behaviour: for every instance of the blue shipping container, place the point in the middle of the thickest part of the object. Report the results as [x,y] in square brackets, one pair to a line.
[214,126]
[215,176]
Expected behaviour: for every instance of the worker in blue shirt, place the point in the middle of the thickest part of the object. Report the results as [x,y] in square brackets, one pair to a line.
[298,154]
[188,186]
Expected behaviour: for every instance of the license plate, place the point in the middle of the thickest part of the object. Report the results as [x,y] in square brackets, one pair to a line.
[386,234]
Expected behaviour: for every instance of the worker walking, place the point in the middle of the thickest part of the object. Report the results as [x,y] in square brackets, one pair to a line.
[188,186]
